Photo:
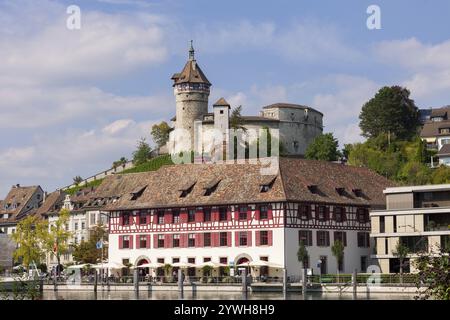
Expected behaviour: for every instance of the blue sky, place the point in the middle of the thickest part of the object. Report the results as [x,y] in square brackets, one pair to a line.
[71,102]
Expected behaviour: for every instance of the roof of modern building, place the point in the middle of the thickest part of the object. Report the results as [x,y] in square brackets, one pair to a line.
[431,128]
[241,183]
[290,105]
[422,188]
[444,151]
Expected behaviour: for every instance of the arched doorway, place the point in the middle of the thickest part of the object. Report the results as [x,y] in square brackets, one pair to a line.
[143,272]
[240,260]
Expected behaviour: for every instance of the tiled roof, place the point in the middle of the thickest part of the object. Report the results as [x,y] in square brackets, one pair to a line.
[221,102]
[444,151]
[290,105]
[17,199]
[191,74]
[431,128]
[53,203]
[241,183]
[440,112]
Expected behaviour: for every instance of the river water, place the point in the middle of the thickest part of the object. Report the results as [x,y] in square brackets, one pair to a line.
[173,295]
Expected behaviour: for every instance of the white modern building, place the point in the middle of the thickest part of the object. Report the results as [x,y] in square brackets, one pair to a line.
[416,216]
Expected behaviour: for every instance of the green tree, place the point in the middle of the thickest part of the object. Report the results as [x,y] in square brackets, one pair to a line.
[55,237]
[302,254]
[324,147]
[29,249]
[236,119]
[87,252]
[160,133]
[120,162]
[390,111]
[441,175]
[77,180]
[337,249]
[415,173]
[142,153]
[401,252]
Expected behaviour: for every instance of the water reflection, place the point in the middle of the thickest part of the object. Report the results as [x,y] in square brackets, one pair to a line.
[189,295]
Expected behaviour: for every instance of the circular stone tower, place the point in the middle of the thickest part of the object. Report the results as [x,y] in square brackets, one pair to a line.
[191,90]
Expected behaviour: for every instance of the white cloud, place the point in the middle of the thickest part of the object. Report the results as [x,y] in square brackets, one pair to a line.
[427,66]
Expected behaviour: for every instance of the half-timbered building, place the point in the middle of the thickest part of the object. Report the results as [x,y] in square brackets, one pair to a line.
[233,213]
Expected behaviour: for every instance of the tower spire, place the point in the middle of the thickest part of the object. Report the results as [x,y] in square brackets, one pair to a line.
[191,51]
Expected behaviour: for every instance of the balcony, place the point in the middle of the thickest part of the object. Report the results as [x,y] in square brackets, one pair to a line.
[437,222]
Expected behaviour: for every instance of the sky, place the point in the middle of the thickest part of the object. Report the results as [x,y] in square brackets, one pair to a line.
[73,101]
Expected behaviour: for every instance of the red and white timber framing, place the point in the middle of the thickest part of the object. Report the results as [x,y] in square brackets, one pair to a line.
[236,233]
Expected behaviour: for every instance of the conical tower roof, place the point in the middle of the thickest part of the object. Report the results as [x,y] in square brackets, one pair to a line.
[191,72]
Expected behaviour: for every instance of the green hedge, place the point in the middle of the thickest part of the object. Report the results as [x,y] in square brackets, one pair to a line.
[151,165]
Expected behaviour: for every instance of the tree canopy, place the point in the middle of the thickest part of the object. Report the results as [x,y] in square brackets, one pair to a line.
[390,111]
[87,252]
[324,147]
[160,133]
[142,153]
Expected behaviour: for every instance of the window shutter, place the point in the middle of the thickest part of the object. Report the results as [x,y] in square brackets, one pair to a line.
[257,213]
[199,216]
[155,241]
[217,239]
[269,212]
[120,242]
[236,214]
[327,237]
[121,219]
[148,241]
[249,238]
[228,239]
[258,238]
[130,219]
[236,239]
[310,236]
[327,213]
[309,211]
[215,214]
[138,218]
[184,240]
[138,243]
[228,214]
[155,217]
[183,216]
[131,242]
[317,212]
[198,237]
[167,241]
[168,217]
[249,213]
[148,217]
[270,236]
[345,238]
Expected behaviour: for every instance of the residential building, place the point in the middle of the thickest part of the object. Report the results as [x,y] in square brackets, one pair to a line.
[416,216]
[233,213]
[436,129]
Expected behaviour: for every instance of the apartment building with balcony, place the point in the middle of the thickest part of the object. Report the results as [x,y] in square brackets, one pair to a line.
[416,216]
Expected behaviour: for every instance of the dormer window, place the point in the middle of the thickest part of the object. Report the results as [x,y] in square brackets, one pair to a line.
[187,189]
[358,193]
[136,194]
[340,191]
[267,184]
[211,187]
[313,189]
[444,130]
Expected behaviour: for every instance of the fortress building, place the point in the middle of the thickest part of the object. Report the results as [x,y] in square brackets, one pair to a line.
[297,125]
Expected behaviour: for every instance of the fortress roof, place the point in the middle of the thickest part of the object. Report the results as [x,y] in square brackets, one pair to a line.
[282,105]
[191,72]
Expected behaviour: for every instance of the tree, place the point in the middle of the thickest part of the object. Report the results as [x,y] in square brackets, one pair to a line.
[324,147]
[77,180]
[55,237]
[302,255]
[160,133]
[236,120]
[120,162]
[87,252]
[337,249]
[401,252]
[28,241]
[390,111]
[142,153]
[433,271]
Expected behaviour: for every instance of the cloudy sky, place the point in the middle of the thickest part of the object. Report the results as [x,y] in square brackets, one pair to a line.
[73,101]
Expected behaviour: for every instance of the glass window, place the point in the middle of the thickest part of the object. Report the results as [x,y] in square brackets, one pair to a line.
[207,239]
[143,241]
[206,214]
[160,217]
[191,215]
[323,238]
[176,241]
[223,238]
[242,213]
[176,216]
[125,219]
[142,217]
[222,213]
[264,238]
[191,240]
[126,242]
[305,236]
[303,212]
[243,238]
[160,241]
[263,212]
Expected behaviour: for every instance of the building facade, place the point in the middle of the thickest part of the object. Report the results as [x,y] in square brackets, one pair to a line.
[296,125]
[436,132]
[416,216]
[231,213]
